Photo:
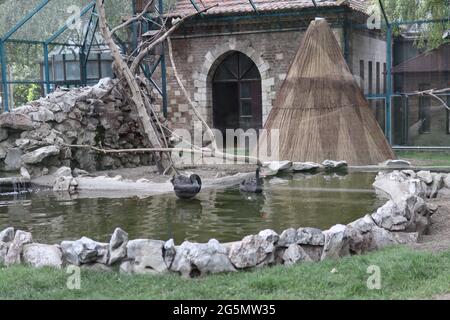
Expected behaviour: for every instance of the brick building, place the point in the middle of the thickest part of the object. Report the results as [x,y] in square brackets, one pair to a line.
[234,59]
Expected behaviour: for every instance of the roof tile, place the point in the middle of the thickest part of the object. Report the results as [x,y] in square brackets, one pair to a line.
[185,7]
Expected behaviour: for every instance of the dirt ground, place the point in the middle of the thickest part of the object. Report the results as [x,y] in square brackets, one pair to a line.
[438,236]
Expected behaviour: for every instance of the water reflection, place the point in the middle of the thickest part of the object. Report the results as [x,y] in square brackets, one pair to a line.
[227,215]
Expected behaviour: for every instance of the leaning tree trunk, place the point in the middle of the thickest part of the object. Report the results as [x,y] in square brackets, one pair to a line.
[138,98]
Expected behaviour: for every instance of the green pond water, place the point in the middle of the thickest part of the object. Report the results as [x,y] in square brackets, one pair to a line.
[227,215]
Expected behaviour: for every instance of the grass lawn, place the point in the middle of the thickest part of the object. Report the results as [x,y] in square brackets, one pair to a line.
[404,274]
[428,158]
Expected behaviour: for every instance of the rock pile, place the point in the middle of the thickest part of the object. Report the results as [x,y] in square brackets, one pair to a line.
[272,168]
[400,221]
[35,136]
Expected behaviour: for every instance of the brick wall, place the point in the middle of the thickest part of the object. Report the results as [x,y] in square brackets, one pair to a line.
[272,45]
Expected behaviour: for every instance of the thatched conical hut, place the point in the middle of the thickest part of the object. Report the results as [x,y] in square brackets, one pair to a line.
[321,112]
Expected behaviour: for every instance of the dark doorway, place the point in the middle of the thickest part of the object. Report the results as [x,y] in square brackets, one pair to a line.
[237,91]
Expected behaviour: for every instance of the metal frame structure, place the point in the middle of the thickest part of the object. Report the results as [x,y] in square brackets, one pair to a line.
[149,70]
[390,94]
[4,39]
[85,49]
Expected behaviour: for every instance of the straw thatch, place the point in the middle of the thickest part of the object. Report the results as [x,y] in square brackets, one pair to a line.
[320,111]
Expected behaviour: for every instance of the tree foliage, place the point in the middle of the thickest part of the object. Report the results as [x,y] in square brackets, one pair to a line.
[412,10]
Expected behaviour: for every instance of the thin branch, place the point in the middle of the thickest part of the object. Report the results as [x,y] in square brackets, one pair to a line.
[131,20]
[186,94]
[138,150]
[161,39]
[138,99]
[433,93]
[205,153]
[215,148]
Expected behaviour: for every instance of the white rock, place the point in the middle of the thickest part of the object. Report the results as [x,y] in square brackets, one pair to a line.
[7,235]
[287,237]
[278,165]
[391,216]
[25,174]
[21,238]
[310,236]
[447,181]
[3,252]
[147,256]
[295,254]
[118,246]
[79,173]
[63,172]
[267,172]
[269,235]
[85,251]
[425,176]
[398,186]
[337,244]
[16,121]
[40,154]
[375,238]
[143,180]
[3,134]
[42,255]
[305,166]
[364,224]
[193,259]
[42,115]
[410,215]
[252,251]
[334,165]
[169,252]
[437,184]
[63,184]
[396,163]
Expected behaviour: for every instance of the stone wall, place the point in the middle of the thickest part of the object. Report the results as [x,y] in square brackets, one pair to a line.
[36,135]
[400,221]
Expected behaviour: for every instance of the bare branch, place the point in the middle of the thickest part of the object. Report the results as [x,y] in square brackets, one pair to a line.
[161,39]
[433,93]
[216,151]
[138,99]
[130,21]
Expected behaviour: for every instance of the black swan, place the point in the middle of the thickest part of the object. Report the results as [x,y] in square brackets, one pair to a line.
[253,184]
[186,187]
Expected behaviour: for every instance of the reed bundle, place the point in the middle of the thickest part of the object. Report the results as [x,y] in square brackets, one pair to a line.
[320,112]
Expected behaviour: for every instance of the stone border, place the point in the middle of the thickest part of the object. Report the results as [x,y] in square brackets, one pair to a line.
[203,78]
[400,221]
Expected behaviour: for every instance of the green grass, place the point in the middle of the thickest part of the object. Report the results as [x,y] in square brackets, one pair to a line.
[405,274]
[428,158]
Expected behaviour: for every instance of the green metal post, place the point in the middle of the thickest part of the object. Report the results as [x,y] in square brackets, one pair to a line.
[253,6]
[25,19]
[66,26]
[4,76]
[389,83]
[83,68]
[193,3]
[134,28]
[163,68]
[46,69]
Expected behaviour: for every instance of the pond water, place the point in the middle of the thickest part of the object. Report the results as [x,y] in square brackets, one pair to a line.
[295,200]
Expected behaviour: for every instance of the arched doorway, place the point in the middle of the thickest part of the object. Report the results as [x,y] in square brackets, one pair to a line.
[237,101]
